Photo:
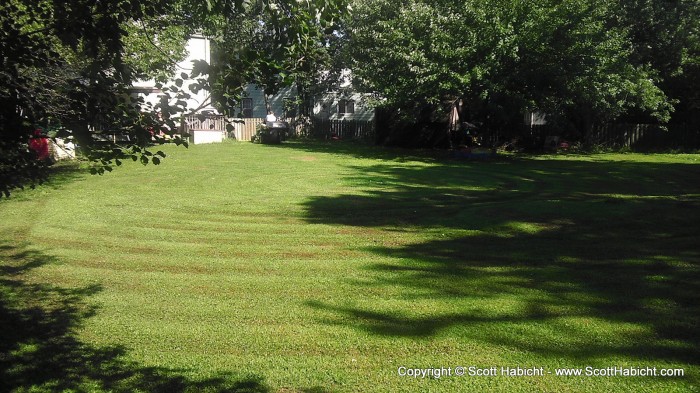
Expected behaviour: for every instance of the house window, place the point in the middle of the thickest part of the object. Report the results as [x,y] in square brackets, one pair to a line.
[247,107]
[346,106]
[350,107]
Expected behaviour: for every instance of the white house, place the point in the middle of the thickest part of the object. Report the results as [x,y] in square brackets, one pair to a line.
[340,112]
[198,48]
[343,102]
[252,105]
[340,105]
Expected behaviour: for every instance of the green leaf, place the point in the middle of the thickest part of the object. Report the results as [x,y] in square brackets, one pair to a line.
[199,67]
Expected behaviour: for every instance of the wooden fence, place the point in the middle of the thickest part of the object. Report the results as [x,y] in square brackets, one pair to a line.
[634,136]
[343,129]
[205,122]
[646,136]
[205,128]
[244,129]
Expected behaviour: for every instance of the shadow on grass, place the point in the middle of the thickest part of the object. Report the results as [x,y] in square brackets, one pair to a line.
[574,259]
[362,149]
[57,176]
[39,350]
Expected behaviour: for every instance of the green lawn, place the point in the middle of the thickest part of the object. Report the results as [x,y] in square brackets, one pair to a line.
[314,267]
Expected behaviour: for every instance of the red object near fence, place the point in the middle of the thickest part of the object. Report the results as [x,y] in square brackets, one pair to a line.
[40,145]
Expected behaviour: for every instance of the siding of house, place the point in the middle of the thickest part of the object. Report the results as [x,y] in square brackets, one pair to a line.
[276,101]
[198,48]
[325,123]
[326,107]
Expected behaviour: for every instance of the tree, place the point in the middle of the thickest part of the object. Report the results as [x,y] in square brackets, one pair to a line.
[63,64]
[501,57]
[273,45]
[665,34]
[153,47]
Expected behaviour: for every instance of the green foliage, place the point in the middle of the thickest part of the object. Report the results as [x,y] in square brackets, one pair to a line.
[153,47]
[666,35]
[504,58]
[63,66]
[19,166]
[271,44]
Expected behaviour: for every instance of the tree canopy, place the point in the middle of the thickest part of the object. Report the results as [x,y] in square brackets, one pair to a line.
[600,59]
[272,45]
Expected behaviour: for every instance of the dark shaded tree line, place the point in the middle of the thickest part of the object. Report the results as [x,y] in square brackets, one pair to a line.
[579,61]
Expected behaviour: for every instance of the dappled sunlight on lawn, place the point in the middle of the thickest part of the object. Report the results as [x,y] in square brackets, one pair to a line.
[563,258]
[40,350]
